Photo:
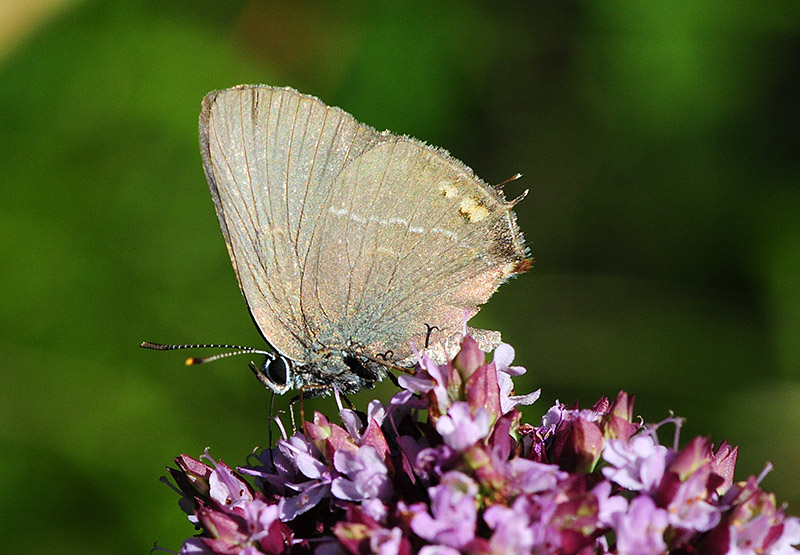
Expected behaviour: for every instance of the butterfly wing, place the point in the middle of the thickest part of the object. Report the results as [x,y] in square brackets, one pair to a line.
[269,155]
[407,236]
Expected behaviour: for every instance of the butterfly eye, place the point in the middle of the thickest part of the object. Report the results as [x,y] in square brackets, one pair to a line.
[277,371]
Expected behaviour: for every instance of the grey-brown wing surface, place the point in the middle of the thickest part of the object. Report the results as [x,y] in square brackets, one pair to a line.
[270,154]
[408,236]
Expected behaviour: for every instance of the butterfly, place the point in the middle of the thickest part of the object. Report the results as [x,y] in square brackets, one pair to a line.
[350,245]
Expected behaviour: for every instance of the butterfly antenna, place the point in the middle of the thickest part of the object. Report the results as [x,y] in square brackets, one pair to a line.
[191,361]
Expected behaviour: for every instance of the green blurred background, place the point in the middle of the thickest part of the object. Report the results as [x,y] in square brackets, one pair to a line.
[659,141]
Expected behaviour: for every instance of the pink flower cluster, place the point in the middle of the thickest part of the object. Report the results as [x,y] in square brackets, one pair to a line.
[447,467]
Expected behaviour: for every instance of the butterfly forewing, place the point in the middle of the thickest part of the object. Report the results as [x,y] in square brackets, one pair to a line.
[268,154]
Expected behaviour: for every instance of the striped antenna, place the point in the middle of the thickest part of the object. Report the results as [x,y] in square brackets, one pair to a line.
[191,361]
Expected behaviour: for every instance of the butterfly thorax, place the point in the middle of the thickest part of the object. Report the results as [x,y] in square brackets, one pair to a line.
[344,368]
